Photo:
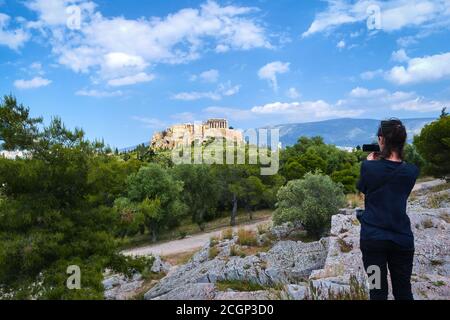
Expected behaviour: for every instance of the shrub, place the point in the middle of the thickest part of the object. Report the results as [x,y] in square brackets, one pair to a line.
[213,252]
[312,201]
[344,245]
[234,251]
[433,144]
[427,223]
[213,241]
[247,238]
[237,285]
[263,228]
[435,201]
[227,234]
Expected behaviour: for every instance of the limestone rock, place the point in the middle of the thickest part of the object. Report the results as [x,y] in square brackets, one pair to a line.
[119,287]
[197,291]
[286,229]
[246,296]
[160,266]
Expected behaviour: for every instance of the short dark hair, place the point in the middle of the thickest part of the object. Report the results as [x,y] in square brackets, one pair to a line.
[394,133]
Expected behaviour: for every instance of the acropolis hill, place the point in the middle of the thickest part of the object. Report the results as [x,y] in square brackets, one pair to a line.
[185,134]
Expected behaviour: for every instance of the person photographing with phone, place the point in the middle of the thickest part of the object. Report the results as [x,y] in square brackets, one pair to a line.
[387,241]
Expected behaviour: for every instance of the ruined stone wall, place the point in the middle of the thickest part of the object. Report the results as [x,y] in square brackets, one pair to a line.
[185,134]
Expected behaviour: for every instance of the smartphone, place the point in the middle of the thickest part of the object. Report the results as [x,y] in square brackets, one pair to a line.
[371,147]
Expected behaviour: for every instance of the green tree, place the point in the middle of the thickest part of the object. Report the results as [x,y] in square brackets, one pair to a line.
[47,221]
[54,213]
[201,192]
[293,170]
[433,144]
[312,161]
[348,177]
[312,201]
[159,195]
[17,129]
[413,156]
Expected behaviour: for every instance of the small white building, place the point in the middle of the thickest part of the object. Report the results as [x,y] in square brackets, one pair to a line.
[13,155]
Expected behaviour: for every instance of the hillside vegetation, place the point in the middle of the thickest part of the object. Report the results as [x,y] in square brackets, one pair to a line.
[72,201]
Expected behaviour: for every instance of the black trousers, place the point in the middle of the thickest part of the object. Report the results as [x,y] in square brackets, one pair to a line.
[399,260]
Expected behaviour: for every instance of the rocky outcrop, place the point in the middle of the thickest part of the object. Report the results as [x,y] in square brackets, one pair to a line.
[285,263]
[121,287]
[325,269]
[431,273]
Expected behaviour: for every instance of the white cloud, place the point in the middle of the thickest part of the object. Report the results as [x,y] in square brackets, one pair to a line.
[34,83]
[151,123]
[228,89]
[305,110]
[365,93]
[395,14]
[221,48]
[12,38]
[36,67]
[269,72]
[116,47]
[356,103]
[420,104]
[184,117]
[293,93]
[223,90]
[98,94]
[191,96]
[210,76]
[341,44]
[229,113]
[384,99]
[369,75]
[130,80]
[428,68]
[55,12]
[400,56]
[120,60]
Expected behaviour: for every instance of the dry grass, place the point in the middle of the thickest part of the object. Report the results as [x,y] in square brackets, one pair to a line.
[235,285]
[213,241]
[427,223]
[251,251]
[439,188]
[235,251]
[149,282]
[445,216]
[180,258]
[435,201]
[247,237]
[213,252]
[425,179]
[227,234]
[357,291]
[344,246]
[263,228]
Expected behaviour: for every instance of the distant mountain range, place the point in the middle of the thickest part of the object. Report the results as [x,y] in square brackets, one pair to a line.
[343,132]
[340,132]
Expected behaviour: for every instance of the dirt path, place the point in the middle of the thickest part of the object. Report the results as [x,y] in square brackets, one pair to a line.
[197,241]
[187,244]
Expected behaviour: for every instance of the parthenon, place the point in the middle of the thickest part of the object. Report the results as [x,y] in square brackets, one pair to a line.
[217,123]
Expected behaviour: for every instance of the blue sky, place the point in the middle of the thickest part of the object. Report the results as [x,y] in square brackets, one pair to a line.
[121,69]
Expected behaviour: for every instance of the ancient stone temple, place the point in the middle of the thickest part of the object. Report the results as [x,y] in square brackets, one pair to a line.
[217,123]
[182,134]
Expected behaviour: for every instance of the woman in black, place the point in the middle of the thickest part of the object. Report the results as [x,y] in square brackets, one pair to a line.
[386,237]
